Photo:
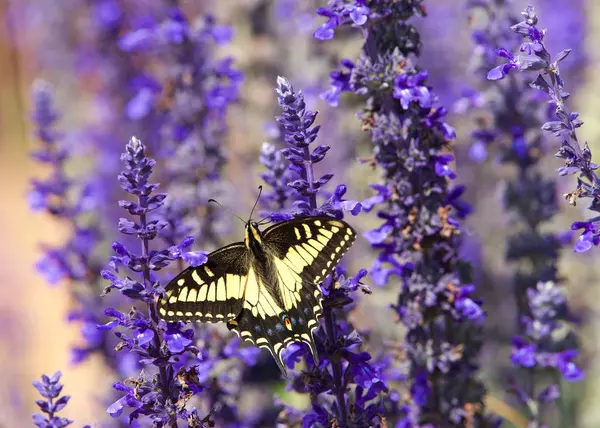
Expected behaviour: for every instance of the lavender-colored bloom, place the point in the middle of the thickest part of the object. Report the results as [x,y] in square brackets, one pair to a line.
[511,112]
[338,13]
[277,176]
[550,82]
[197,92]
[341,365]
[543,307]
[161,392]
[299,133]
[419,237]
[50,389]
[70,201]
[189,107]
[539,350]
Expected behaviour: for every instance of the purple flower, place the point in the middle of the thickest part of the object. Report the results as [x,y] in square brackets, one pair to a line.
[50,389]
[540,348]
[567,367]
[418,237]
[442,168]
[340,365]
[550,82]
[590,236]
[470,309]
[160,396]
[71,202]
[177,340]
[500,72]
[411,88]
[277,176]
[340,82]
[383,194]
[523,354]
[517,111]
[547,305]
[420,390]
[339,13]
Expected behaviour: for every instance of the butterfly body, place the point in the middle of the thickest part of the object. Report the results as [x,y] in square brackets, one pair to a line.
[265,288]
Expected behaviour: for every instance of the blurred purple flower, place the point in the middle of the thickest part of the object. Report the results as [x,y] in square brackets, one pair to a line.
[50,389]
[540,348]
[535,57]
[530,196]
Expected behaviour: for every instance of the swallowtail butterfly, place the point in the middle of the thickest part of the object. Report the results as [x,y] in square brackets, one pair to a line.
[265,288]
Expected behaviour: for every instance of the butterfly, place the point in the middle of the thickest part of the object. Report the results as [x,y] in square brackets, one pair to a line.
[265,288]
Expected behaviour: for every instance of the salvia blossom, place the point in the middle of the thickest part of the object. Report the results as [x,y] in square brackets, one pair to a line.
[188,94]
[533,56]
[50,389]
[277,176]
[419,238]
[190,103]
[542,306]
[539,350]
[341,366]
[511,114]
[163,388]
[70,201]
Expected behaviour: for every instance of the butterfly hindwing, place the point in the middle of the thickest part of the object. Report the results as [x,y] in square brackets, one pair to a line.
[266,324]
[211,292]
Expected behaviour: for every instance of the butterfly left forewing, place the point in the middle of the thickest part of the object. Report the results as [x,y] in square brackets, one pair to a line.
[211,292]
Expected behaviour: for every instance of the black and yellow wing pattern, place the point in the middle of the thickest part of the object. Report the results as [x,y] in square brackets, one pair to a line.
[266,289]
[211,292]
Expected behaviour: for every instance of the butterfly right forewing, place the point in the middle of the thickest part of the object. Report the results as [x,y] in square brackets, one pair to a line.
[304,252]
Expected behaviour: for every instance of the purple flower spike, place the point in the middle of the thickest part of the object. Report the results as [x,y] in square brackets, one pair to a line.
[143,333]
[532,197]
[419,236]
[50,389]
[294,184]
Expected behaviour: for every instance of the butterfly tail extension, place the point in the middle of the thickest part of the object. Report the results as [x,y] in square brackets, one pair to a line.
[305,320]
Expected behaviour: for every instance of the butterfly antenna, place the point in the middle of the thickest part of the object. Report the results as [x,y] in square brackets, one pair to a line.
[226,209]
[255,203]
[266,220]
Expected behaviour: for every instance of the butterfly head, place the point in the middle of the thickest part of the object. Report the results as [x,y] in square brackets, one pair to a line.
[253,234]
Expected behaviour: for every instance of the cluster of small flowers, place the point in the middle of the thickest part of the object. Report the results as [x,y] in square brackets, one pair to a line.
[543,305]
[540,348]
[162,395]
[161,111]
[50,389]
[187,110]
[340,366]
[71,204]
[420,237]
[533,56]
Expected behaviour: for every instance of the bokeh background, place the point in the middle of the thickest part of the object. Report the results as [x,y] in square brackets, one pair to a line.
[42,38]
